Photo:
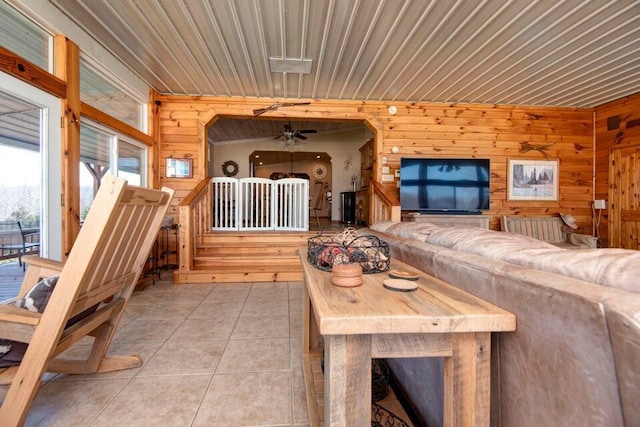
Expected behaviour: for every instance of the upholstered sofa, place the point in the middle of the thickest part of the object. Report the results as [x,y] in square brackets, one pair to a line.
[574,359]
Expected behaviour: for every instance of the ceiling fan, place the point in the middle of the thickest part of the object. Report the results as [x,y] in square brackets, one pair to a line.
[290,137]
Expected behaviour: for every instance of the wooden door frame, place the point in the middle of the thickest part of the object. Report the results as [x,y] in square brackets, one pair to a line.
[612,173]
[370,121]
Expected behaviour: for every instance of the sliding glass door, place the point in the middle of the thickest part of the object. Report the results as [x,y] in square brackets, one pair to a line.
[30,161]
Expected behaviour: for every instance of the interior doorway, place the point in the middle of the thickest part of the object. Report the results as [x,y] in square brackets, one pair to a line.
[624,199]
[313,166]
[231,140]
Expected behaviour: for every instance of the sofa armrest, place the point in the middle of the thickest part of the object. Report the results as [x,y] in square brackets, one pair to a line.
[585,241]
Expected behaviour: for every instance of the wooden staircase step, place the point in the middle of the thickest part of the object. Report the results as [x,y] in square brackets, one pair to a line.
[227,276]
[267,237]
[247,263]
[236,251]
[224,257]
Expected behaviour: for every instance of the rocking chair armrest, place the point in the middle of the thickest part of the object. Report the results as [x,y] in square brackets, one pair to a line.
[36,261]
[38,268]
[11,313]
[17,324]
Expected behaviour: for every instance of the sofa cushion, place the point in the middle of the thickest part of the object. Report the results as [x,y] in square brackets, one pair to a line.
[492,244]
[618,268]
[408,230]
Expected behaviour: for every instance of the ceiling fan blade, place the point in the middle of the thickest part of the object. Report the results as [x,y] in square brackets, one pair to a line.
[297,135]
[308,131]
[280,135]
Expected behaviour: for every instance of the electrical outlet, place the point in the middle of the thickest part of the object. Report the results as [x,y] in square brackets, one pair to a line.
[385,169]
[599,204]
[397,173]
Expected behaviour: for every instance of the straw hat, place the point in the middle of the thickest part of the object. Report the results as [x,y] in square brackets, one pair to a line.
[569,220]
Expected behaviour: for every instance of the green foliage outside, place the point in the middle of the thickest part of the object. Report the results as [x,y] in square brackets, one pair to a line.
[27,219]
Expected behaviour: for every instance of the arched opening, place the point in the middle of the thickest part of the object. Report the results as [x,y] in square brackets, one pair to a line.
[234,138]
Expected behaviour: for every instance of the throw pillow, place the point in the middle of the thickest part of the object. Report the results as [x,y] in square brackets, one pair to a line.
[38,297]
[35,300]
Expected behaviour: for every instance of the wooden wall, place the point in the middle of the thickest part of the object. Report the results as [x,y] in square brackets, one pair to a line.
[627,110]
[419,130]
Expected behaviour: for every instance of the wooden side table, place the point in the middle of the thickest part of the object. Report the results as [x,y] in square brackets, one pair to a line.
[369,321]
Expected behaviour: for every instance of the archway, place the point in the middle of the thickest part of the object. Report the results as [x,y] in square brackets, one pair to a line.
[347,165]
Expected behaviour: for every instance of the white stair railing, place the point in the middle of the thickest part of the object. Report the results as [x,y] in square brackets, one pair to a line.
[291,204]
[224,196]
[254,204]
[258,204]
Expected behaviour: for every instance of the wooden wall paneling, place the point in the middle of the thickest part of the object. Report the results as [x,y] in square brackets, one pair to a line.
[430,130]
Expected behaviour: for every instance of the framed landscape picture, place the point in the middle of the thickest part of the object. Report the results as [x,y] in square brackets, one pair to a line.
[179,168]
[532,180]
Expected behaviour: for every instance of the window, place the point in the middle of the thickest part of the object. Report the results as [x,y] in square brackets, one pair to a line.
[100,93]
[24,38]
[104,151]
[131,159]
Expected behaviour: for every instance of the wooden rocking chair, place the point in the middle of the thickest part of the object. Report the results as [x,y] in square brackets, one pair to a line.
[101,270]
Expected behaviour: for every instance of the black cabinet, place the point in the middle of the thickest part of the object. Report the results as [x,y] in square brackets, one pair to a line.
[348,207]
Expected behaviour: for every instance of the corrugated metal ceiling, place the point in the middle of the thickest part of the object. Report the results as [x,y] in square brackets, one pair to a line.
[546,52]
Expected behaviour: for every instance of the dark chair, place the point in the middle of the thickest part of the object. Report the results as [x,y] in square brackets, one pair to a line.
[320,187]
[16,241]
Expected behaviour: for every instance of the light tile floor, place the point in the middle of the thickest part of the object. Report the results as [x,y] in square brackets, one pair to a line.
[214,355]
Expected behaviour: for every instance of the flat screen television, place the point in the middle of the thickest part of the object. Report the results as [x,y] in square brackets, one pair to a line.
[445,185]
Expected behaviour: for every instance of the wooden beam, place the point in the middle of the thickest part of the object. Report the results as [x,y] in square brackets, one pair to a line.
[32,74]
[68,69]
[110,121]
[153,155]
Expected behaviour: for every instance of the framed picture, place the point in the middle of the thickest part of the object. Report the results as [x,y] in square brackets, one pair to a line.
[532,180]
[179,168]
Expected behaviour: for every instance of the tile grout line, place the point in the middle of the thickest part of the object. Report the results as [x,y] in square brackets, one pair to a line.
[215,371]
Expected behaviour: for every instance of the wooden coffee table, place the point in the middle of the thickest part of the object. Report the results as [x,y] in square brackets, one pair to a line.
[369,321]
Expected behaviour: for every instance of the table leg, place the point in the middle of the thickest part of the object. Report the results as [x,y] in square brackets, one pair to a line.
[347,382]
[467,380]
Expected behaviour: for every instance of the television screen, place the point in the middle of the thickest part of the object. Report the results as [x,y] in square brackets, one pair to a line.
[444,184]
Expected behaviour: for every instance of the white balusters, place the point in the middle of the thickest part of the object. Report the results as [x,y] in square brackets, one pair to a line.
[291,196]
[224,197]
[260,204]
